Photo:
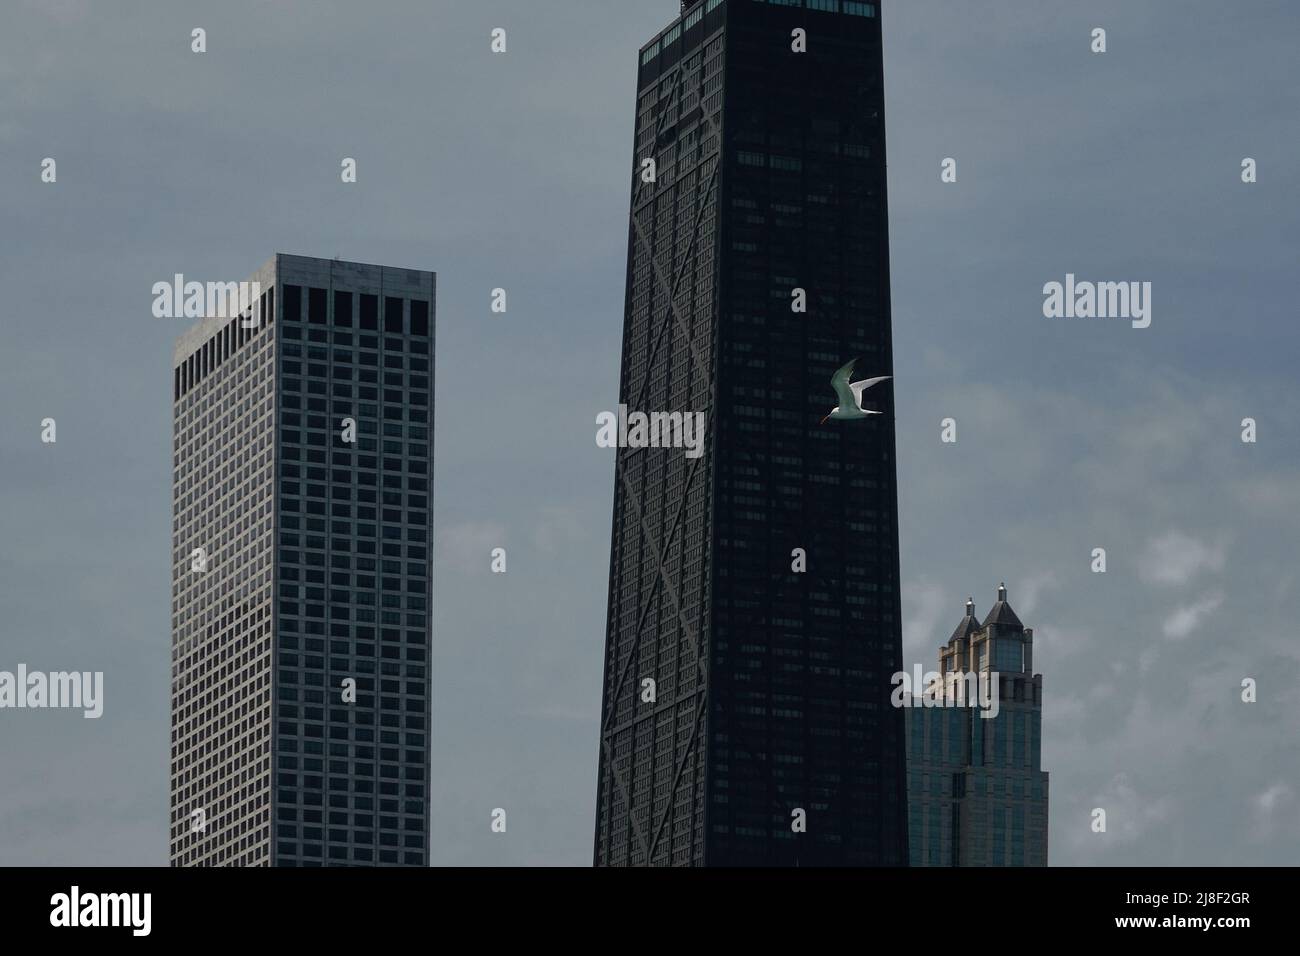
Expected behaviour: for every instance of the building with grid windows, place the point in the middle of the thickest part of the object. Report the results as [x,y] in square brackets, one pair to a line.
[301,536]
[753,617]
[977,793]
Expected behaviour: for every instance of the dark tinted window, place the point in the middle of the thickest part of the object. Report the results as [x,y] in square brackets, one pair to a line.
[343,309]
[293,303]
[419,317]
[316,306]
[369,312]
[393,315]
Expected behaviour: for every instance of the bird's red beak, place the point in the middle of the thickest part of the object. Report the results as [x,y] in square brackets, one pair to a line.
[823,421]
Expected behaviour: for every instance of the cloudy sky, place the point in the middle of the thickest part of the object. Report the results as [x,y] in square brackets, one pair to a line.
[512,170]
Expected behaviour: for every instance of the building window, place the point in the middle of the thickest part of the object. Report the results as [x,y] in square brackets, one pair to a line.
[316,306]
[343,310]
[419,317]
[293,303]
[393,315]
[369,312]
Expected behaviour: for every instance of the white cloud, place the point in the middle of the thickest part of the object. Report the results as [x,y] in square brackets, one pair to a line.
[1175,558]
[1274,809]
[558,529]
[1065,709]
[927,607]
[1273,798]
[1275,496]
[1129,814]
[64,11]
[1186,619]
[1052,642]
[468,547]
[1029,590]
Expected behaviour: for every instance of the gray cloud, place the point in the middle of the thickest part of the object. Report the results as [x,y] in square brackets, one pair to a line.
[1176,558]
[513,171]
[1189,617]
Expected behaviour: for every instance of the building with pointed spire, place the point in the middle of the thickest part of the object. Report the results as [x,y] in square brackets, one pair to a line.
[977,794]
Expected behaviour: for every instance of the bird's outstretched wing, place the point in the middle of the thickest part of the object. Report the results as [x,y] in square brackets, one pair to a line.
[840,382]
[859,387]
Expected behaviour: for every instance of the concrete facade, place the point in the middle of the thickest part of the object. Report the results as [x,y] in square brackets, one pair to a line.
[301,572]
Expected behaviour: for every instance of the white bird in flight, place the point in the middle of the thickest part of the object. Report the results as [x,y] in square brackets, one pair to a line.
[850,393]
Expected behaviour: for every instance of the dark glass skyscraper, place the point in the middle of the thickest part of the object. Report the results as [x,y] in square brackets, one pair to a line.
[753,622]
[302,469]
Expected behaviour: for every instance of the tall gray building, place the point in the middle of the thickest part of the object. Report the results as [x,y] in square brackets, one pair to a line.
[977,793]
[301,537]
